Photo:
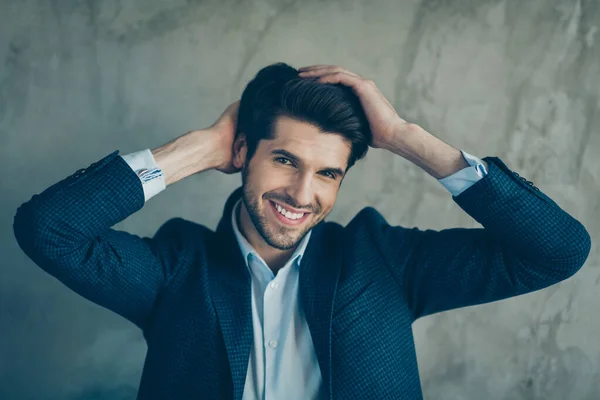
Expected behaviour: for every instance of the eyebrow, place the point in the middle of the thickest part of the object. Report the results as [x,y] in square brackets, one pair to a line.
[282,152]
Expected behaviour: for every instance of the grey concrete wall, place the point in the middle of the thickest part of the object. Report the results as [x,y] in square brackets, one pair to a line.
[513,79]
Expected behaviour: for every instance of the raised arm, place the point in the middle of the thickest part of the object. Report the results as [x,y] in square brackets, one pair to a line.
[66,229]
[528,242]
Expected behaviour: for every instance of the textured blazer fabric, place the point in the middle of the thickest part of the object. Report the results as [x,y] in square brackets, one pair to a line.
[361,285]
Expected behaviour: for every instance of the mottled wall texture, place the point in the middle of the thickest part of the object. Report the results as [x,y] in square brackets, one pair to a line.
[513,79]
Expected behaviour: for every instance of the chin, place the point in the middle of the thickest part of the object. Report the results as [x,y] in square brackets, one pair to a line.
[281,243]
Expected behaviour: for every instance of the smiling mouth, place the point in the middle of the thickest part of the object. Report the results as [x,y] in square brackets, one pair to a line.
[287,217]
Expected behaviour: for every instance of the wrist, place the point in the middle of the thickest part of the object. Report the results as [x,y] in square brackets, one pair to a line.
[433,155]
[406,140]
[186,155]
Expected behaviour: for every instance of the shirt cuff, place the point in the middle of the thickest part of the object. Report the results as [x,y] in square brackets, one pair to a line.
[466,177]
[144,165]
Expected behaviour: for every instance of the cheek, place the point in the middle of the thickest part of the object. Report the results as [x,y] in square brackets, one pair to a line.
[264,179]
[327,198]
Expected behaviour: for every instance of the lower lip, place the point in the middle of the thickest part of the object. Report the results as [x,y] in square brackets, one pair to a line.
[286,220]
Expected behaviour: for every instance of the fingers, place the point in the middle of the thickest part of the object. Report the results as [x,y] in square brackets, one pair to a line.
[311,67]
[335,75]
[235,106]
[343,78]
[315,70]
[233,109]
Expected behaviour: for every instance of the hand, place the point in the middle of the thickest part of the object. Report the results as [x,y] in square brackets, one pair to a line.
[385,123]
[223,131]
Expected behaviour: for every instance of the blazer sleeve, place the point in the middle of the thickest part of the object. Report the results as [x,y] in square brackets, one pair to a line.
[66,231]
[527,243]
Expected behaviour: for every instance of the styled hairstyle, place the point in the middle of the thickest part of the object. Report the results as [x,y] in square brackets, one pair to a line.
[277,90]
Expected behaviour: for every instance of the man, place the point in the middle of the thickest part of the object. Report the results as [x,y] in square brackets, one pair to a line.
[277,303]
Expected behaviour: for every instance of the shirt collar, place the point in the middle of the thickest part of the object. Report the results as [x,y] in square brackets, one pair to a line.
[247,249]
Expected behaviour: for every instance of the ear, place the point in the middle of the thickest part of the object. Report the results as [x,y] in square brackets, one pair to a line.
[240,149]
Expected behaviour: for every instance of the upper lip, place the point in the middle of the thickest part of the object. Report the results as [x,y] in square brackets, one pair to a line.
[291,209]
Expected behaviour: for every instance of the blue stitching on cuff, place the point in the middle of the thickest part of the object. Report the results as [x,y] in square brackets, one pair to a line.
[146,175]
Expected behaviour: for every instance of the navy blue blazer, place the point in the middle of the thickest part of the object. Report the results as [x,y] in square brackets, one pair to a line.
[361,285]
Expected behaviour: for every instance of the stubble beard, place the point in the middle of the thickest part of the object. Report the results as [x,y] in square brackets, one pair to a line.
[281,239]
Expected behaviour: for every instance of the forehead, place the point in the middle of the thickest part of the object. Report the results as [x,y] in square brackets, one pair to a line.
[309,143]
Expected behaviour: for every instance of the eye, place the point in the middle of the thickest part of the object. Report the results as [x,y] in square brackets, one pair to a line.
[329,174]
[283,160]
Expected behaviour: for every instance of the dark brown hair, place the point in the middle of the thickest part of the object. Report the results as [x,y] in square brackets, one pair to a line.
[277,90]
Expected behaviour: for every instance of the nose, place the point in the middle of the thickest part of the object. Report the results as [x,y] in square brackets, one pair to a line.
[301,191]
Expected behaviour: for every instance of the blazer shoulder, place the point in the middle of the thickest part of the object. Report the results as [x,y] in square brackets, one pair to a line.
[178,241]
[367,218]
[182,231]
[370,224]
[365,225]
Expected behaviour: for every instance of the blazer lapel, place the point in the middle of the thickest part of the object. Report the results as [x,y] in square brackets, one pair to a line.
[319,274]
[230,288]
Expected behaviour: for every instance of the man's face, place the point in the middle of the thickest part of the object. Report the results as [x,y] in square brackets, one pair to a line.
[291,182]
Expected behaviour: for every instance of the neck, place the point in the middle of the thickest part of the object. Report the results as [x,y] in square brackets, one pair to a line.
[274,258]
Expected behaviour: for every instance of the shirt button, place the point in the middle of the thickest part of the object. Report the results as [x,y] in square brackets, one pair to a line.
[272,344]
[274,285]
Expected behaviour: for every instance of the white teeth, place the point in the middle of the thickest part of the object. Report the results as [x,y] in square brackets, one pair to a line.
[288,214]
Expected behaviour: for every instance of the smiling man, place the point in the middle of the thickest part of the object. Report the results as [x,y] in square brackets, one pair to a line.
[290,187]
[278,303]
